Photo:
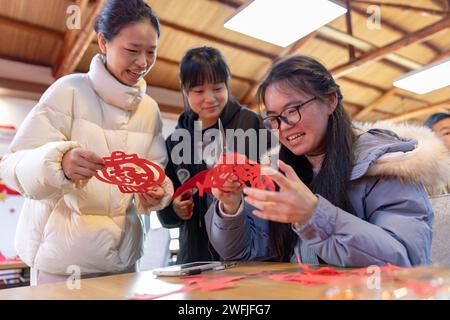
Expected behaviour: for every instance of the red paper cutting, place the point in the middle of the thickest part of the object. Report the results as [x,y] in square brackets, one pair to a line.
[232,163]
[323,275]
[196,182]
[305,276]
[8,191]
[203,283]
[130,173]
[422,289]
[5,260]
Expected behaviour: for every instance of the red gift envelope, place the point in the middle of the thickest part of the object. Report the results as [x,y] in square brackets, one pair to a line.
[131,173]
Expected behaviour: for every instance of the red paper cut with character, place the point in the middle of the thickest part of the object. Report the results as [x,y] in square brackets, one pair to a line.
[248,172]
[131,173]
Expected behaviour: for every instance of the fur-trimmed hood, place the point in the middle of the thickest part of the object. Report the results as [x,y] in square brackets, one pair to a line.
[412,153]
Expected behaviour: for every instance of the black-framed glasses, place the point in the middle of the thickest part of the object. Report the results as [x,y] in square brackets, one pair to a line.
[290,116]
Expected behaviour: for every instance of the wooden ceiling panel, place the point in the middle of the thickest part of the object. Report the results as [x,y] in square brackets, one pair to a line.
[47,13]
[26,47]
[206,16]
[164,75]
[398,105]
[355,94]
[442,40]
[328,54]
[32,31]
[418,53]
[174,45]
[376,73]
[437,95]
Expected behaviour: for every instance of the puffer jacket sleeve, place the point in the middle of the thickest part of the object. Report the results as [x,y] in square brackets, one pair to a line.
[158,154]
[397,230]
[240,237]
[33,165]
[167,216]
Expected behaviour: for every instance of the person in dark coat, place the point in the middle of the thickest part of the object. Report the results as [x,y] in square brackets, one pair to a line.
[204,78]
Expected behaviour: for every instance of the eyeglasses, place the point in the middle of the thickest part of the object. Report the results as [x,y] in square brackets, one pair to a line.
[290,116]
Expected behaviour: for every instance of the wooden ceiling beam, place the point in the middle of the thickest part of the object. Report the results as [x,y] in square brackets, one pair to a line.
[377,54]
[70,61]
[360,107]
[443,4]
[70,36]
[209,37]
[384,61]
[403,7]
[348,23]
[30,27]
[170,109]
[382,99]
[292,49]
[441,56]
[363,84]
[365,46]
[177,64]
[379,101]
[24,86]
[396,91]
[357,11]
[393,27]
[443,106]
[230,3]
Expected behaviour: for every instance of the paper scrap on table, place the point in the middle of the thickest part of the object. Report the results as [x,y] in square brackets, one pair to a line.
[305,276]
[203,283]
[5,260]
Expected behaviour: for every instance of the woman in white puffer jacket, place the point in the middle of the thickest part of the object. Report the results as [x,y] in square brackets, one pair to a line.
[71,221]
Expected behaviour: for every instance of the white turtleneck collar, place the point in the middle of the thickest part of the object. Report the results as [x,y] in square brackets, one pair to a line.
[111,90]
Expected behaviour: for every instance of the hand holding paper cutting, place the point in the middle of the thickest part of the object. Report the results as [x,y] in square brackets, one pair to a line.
[183,205]
[294,203]
[81,164]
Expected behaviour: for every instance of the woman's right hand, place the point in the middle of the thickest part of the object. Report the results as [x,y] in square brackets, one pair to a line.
[229,195]
[81,164]
[183,205]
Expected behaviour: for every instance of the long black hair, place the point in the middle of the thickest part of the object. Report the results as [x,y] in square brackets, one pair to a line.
[333,180]
[118,14]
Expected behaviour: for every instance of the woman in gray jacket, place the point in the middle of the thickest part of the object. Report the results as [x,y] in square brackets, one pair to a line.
[346,198]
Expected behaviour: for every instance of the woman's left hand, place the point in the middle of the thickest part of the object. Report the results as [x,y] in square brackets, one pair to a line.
[294,203]
[152,198]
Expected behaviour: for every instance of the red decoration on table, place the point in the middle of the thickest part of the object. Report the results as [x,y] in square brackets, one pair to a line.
[130,173]
[5,260]
[203,283]
[247,171]
[306,276]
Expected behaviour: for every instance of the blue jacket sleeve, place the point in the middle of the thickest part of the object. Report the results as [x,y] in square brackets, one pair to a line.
[397,228]
[240,237]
